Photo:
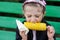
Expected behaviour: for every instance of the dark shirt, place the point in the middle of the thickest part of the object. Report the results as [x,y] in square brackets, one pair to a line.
[40,35]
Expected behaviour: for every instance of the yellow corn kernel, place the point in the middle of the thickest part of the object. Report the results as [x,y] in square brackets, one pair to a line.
[35,26]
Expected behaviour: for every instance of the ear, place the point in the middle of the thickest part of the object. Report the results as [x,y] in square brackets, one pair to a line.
[44,13]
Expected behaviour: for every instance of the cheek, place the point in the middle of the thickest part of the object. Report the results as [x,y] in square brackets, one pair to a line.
[28,19]
[39,19]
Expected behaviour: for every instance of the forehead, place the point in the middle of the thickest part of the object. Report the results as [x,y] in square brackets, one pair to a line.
[32,8]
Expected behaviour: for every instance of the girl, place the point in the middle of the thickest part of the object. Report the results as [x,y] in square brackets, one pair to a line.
[34,11]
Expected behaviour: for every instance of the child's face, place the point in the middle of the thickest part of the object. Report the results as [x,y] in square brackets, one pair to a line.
[33,14]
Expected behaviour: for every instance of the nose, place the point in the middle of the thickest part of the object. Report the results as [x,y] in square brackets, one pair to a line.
[33,20]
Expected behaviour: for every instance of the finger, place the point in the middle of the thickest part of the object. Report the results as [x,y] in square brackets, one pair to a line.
[50,29]
[23,33]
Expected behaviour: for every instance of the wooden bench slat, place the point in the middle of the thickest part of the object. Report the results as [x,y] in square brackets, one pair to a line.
[57,38]
[53,11]
[11,7]
[9,22]
[7,35]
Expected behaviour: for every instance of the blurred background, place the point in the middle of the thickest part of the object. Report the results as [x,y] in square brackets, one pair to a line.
[10,10]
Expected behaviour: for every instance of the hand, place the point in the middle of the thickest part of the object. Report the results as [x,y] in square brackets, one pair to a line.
[23,35]
[50,32]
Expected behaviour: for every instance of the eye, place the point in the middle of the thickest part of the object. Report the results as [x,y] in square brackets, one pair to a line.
[36,16]
[29,16]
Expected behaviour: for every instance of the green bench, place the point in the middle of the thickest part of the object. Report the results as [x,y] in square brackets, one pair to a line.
[9,22]
[16,8]
[57,38]
[7,35]
[53,11]
[11,7]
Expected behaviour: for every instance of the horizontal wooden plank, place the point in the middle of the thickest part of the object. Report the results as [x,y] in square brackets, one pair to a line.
[57,38]
[11,7]
[9,22]
[7,35]
[53,11]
